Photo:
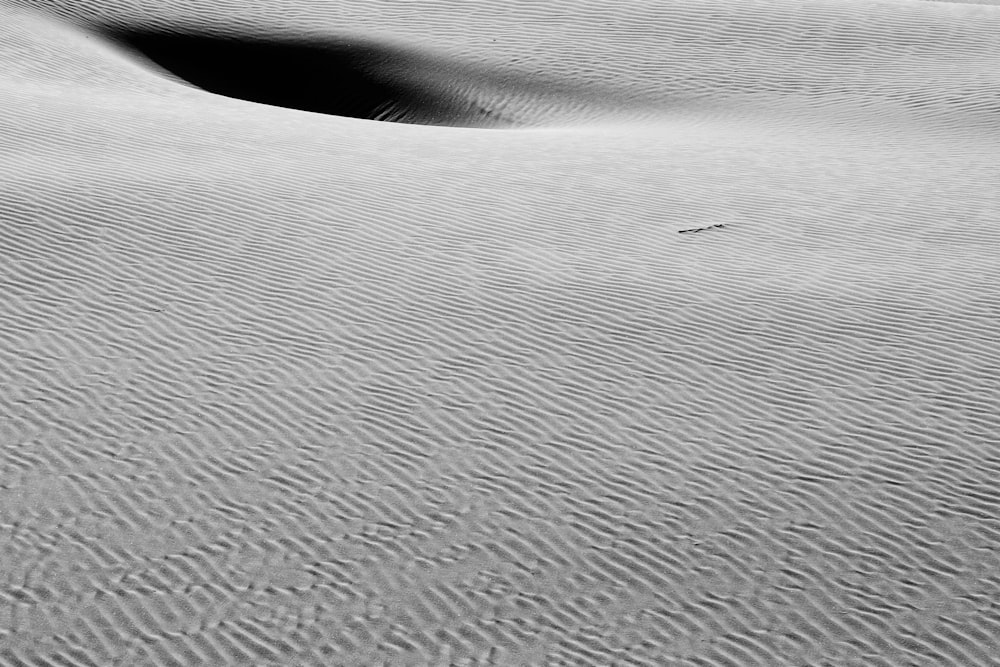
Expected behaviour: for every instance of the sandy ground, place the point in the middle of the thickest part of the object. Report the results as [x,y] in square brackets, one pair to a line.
[289,388]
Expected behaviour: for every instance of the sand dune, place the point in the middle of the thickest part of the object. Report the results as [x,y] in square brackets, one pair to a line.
[294,388]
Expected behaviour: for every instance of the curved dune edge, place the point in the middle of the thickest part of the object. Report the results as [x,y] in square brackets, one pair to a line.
[361,77]
[292,388]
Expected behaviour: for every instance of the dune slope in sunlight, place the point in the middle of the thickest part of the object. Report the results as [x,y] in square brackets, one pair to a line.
[283,383]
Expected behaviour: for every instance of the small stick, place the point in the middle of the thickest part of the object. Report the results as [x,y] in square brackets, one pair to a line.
[699,229]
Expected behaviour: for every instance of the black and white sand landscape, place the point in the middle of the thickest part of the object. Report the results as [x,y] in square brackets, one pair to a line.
[385,332]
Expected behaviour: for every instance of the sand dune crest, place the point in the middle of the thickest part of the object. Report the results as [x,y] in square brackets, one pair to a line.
[282,387]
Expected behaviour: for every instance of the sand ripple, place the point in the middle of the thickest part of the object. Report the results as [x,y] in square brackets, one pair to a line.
[290,388]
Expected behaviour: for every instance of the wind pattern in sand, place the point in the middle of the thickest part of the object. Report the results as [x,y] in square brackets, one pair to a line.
[289,388]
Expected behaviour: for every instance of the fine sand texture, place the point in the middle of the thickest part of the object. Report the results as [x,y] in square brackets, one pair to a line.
[358,332]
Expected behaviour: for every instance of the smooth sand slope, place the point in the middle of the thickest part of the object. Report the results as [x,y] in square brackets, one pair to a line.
[288,388]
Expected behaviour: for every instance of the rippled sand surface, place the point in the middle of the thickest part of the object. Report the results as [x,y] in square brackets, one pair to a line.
[280,387]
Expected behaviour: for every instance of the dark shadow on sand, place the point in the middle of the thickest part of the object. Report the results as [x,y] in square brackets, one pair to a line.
[346,78]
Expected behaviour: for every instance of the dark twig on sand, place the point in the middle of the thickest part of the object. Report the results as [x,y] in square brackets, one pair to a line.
[699,229]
